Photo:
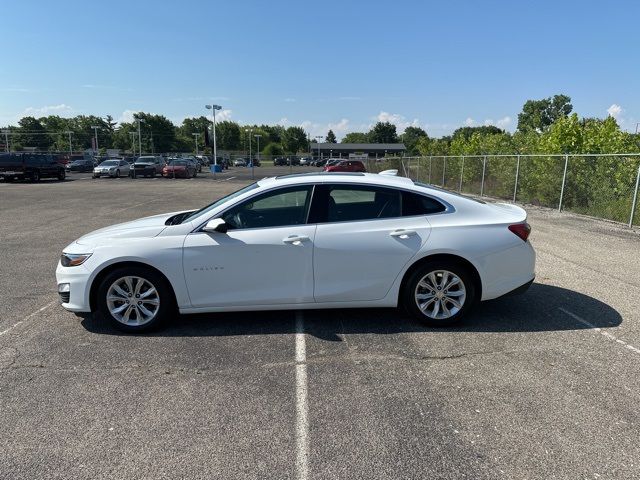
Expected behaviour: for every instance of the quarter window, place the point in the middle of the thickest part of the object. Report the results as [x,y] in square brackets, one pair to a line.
[348,203]
[285,206]
[414,204]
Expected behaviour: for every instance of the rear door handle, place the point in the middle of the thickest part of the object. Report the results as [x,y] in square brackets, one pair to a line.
[401,233]
[295,239]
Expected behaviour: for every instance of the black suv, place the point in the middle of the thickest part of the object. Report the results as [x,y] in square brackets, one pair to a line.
[148,166]
[30,166]
[80,166]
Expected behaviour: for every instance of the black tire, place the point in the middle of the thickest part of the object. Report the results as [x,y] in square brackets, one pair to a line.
[166,309]
[118,173]
[195,174]
[61,175]
[408,294]
[35,176]
[153,174]
[94,176]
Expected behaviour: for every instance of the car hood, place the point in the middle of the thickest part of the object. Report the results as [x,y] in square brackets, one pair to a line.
[147,227]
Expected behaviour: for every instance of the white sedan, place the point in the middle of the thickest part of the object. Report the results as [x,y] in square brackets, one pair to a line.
[115,167]
[311,241]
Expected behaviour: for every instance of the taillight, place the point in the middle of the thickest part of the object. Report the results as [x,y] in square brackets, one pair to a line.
[522,230]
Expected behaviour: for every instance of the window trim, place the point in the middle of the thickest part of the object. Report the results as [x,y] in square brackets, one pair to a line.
[311,186]
[325,195]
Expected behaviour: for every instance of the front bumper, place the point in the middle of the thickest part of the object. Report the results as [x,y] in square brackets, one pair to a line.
[76,299]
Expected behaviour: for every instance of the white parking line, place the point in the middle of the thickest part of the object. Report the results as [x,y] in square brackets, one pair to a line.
[302,422]
[28,317]
[600,331]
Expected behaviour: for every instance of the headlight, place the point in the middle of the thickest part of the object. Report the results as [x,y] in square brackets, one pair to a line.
[73,259]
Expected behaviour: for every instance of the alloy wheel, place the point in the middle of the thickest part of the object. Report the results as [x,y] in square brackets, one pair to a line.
[133,301]
[440,294]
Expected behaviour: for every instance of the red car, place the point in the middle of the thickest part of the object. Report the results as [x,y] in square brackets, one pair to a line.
[346,166]
[179,168]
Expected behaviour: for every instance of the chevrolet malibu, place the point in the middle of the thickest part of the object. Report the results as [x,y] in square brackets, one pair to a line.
[309,241]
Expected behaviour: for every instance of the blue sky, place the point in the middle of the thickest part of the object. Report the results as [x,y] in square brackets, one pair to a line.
[332,64]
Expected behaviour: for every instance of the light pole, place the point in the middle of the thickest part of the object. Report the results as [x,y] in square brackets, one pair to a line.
[250,132]
[133,143]
[70,145]
[196,135]
[95,132]
[139,120]
[318,138]
[6,140]
[213,109]
[258,138]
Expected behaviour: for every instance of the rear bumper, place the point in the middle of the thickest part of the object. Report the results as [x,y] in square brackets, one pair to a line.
[520,290]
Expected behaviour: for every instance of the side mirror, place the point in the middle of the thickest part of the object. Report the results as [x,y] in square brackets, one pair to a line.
[216,225]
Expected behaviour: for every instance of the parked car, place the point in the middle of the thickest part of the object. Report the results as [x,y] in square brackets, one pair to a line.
[114,167]
[280,161]
[305,161]
[256,162]
[293,161]
[239,162]
[147,166]
[348,240]
[203,159]
[346,166]
[195,162]
[30,166]
[180,168]
[320,162]
[80,166]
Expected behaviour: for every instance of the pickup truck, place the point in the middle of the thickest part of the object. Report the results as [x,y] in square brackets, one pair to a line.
[30,166]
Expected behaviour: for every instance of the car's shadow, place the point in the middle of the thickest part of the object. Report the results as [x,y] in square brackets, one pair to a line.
[542,308]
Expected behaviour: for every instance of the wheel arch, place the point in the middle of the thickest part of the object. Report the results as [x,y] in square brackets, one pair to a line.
[449,257]
[95,284]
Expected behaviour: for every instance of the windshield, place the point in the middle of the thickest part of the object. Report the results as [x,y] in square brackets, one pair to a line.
[219,202]
[178,163]
[109,163]
[145,160]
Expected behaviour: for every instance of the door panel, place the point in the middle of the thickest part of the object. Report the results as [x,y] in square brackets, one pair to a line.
[265,266]
[358,261]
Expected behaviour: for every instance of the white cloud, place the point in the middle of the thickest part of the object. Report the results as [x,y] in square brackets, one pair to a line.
[284,122]
[398,120]
[469,122]
[504,123]
[126,116]
[223,115]
[61,109]
[289,100]
[615,111]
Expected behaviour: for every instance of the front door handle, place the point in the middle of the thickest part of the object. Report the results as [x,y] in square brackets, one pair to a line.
[295,239]
[401,233]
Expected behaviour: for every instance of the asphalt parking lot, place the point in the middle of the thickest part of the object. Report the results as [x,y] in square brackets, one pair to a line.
[543,385]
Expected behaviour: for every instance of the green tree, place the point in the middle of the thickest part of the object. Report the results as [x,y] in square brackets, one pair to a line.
[295,140]
[273,149]
[383,132]
[355,137]
[228,135]
[33,134]
[331,137]
[539,114]
[410,139]
[467,132]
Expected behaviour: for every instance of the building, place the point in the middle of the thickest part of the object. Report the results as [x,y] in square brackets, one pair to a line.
[356,150]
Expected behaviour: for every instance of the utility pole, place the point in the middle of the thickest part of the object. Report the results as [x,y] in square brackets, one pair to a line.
[258,138]
[196,135]
[139,120]
[133,143]
[6,140]
[213,109]
[95,132]
[70,144]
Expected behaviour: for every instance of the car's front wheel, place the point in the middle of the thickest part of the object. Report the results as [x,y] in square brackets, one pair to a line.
[439,293]
[135,299]
[61,175]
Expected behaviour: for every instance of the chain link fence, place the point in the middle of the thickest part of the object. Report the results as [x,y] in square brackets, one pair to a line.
[604,186]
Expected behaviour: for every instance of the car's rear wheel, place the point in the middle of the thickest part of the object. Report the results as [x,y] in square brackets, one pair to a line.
[439,293]
[135,299]
[35,176]
[61,175]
